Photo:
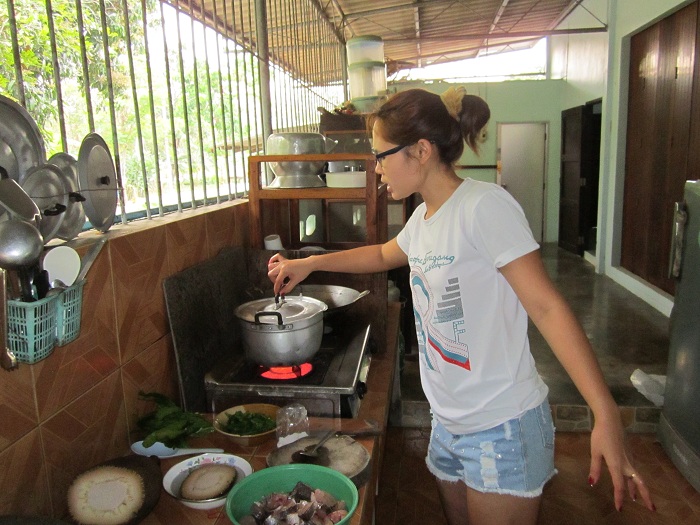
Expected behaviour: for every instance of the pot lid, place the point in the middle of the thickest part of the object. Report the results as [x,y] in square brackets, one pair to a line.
[46,185]
[98,182]
[290,309]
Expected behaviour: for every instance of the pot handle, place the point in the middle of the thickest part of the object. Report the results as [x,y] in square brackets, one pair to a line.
[258,315]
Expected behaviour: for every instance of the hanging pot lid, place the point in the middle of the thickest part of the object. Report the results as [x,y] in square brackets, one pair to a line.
[291,309]
[75,214]
[46,186]
[98,182]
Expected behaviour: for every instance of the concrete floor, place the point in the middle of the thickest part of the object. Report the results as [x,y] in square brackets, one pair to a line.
[626,334]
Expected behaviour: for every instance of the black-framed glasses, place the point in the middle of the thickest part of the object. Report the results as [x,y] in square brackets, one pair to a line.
[379,156]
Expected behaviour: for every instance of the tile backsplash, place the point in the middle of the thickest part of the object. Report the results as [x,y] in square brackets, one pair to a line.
[77,408]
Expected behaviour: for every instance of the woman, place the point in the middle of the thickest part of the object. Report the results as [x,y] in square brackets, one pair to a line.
[476,275]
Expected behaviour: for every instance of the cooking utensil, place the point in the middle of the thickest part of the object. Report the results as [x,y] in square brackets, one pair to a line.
[90,257]
[287,334]
[160,450]
[8,360]
[98,182]
[21,142]
[45,185]
[310,452]
[15,200]
[337,298]
[62,263]
[20,247]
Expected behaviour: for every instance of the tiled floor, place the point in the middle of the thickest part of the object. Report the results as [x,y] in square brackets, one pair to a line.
[408,493]
[626,334]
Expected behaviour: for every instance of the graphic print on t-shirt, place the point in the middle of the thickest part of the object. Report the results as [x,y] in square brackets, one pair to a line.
[434,345]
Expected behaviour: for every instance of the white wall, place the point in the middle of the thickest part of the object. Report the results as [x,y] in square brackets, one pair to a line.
[517,101]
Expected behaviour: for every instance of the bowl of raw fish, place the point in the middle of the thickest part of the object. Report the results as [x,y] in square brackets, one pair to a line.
[282,479]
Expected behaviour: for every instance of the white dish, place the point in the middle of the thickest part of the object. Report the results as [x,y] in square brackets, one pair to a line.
[346,179]
[172,481]
[62,262]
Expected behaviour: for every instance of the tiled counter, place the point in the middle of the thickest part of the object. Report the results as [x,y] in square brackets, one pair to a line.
[375,408]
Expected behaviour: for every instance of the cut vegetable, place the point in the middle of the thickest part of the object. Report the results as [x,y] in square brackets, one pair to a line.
[208,481]
[106,496]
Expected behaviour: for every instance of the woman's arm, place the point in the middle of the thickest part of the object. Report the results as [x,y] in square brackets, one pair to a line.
[560,328]
[287,273]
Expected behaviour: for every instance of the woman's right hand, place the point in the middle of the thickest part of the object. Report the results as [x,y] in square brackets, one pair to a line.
[285,273]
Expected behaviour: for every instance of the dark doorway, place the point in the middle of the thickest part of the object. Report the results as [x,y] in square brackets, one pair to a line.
[580,166]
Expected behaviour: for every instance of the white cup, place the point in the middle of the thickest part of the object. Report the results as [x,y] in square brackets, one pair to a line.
[273,242]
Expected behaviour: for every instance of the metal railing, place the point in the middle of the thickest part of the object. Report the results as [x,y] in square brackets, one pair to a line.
[181,96]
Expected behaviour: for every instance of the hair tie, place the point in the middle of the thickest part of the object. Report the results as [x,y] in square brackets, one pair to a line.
[452,98]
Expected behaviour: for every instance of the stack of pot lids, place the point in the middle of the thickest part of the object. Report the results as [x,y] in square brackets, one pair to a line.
[74,219]
[46,185]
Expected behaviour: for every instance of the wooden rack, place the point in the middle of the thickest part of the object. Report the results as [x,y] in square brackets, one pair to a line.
[373,195]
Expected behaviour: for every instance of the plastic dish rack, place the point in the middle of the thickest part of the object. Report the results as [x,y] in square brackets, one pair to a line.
[31,328]
[34,329]
[69,307]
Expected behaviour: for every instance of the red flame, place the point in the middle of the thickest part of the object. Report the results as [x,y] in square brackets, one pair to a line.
[287,372]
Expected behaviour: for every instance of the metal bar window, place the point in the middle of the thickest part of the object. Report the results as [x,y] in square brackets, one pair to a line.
[172,87]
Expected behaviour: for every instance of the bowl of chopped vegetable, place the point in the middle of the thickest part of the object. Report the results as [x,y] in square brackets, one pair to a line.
[248,425]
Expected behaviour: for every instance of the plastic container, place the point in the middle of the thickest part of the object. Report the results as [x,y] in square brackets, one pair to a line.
[31,328]
[367,104]
[69,308]
[283,478]
[367,48]
[367,79]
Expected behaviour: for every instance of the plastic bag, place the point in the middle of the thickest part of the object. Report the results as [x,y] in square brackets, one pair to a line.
[650,386]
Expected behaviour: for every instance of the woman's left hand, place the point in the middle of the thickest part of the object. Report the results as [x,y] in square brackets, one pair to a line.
[608,443]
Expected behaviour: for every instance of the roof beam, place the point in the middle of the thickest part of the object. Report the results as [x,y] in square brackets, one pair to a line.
[505,36]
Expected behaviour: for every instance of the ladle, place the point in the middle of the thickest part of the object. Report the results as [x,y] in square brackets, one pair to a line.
[159,449]
[20,247]
[311,452]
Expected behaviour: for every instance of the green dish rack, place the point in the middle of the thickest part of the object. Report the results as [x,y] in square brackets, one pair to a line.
[34,329]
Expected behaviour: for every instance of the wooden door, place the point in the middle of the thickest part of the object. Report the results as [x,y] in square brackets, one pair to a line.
[580,167]
[658,127]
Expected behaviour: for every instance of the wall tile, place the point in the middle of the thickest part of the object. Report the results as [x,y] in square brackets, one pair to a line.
[18,411]
[221,229]
[72,369]
[87,432]
[153,370]
[139,265]
[186,243]
[23,478]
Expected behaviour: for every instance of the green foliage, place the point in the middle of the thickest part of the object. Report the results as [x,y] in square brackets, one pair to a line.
[169,424]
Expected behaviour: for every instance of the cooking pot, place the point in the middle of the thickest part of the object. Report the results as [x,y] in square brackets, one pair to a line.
[284,334]
[298,174]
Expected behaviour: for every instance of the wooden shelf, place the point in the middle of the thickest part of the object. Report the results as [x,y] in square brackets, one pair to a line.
[373,195]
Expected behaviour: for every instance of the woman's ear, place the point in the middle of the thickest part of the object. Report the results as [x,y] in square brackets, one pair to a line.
[424,150]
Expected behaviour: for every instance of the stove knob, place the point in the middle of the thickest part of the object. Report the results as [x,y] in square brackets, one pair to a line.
[361,389]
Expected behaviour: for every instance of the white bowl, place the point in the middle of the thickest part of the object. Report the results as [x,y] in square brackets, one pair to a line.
[172,481]
[346,179]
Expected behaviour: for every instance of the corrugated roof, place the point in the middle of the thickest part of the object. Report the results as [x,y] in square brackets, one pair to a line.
[415,33]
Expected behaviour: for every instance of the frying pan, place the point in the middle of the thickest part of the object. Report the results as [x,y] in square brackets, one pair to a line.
[338,298]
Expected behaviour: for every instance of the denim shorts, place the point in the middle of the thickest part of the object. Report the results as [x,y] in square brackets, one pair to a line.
[516,457]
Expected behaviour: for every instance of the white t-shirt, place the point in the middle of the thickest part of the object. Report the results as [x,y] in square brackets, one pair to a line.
[475,362]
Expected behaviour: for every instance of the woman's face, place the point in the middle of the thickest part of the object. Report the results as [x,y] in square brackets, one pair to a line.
[398,170]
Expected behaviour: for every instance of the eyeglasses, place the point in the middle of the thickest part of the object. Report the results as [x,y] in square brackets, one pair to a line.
[379,156]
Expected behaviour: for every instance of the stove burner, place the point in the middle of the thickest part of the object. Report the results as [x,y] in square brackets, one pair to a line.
[287,372]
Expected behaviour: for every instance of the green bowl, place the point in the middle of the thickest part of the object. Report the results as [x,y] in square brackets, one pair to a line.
[283,478]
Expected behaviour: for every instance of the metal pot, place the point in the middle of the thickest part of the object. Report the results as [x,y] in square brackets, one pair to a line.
[298,174]
[287,334]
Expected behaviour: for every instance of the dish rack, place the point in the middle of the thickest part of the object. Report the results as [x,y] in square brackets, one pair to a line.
[34,329]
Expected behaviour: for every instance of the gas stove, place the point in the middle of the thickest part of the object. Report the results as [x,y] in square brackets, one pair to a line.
[331,384]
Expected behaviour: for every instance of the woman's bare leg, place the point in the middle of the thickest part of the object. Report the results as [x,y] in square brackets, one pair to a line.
[465,506]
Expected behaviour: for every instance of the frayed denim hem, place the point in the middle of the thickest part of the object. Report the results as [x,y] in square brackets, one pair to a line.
[519,493]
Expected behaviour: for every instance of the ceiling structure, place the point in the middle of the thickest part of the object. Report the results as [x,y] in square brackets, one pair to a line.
[416,33]
[424,32]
